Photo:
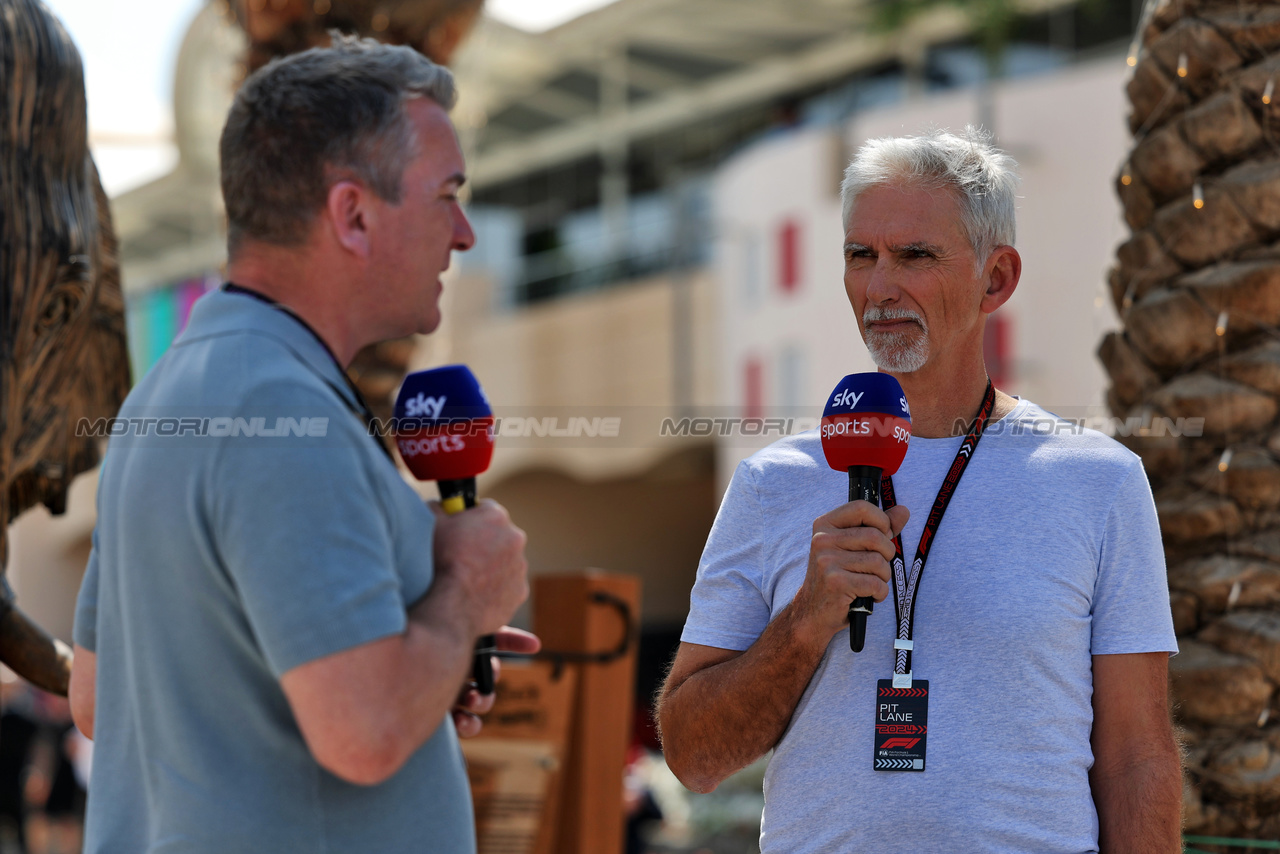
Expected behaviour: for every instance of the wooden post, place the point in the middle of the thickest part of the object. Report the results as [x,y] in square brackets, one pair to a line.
[568,619]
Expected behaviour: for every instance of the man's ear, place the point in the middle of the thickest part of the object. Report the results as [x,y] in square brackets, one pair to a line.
[1002,272]
[347,209]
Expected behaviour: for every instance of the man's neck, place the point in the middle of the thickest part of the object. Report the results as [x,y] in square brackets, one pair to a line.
[285,276]
[944,404]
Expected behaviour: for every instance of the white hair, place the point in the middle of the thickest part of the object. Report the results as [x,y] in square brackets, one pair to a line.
[982,176]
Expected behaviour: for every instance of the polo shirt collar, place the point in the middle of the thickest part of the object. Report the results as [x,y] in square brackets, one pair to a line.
[221,313]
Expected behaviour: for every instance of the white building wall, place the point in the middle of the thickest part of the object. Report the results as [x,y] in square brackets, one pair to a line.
[785,178]
[1067,130]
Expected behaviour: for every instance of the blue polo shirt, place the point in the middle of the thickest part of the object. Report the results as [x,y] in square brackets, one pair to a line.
[247,524]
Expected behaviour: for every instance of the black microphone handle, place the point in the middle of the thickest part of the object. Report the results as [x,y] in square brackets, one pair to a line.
[864,485]
[456,496]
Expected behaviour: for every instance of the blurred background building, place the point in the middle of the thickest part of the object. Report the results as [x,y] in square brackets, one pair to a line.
[654,186]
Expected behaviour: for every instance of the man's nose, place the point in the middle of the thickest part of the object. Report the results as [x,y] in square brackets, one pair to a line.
[464,237]
[881,287]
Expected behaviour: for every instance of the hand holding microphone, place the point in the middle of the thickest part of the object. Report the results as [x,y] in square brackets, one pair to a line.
[445,433]
[866,426]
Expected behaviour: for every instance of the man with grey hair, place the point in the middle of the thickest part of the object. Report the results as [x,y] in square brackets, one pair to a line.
[274,631]
[1031,713]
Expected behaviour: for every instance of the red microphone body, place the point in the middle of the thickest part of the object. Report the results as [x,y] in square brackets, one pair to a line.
[444,431]
[866,426]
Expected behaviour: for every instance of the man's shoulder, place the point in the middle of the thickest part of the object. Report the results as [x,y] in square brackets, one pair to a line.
[233,367]
[237,345]
[791,456]
[1050,441]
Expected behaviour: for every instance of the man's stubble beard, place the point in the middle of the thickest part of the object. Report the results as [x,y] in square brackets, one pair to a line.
[896,352]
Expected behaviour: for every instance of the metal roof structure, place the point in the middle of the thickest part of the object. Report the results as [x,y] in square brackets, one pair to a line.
[636,84]
[636,69]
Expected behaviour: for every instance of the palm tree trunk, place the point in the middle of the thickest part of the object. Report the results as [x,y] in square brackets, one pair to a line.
[1197,287]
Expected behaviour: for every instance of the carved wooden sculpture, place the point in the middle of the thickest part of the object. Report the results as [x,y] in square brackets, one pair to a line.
[62,343]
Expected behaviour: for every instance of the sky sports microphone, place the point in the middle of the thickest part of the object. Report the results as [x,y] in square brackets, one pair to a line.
[865,430]
[444,430]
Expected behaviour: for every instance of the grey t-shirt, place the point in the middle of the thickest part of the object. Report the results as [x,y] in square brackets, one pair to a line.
[223,560]
[1048,554]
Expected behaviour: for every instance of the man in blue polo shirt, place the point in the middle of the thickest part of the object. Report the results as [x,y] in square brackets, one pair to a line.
[274,631]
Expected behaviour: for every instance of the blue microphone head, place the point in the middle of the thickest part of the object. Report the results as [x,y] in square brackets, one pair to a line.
[449,392]
[866,422]
[444,424]
[869,392]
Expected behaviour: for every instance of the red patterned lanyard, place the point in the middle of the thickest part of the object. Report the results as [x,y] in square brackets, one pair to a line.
[905,587]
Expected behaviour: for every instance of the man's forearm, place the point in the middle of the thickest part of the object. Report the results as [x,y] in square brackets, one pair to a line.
[724,717]
[82,692]
[1139,804]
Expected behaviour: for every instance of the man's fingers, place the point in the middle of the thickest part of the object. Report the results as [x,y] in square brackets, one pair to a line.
[854,540]
[511,639]
[852,576]
[852,562]
[471,700]
[898,516]
[849,557]
[855,514]
[854,584]
[467,724]
[862,562]
[867,585]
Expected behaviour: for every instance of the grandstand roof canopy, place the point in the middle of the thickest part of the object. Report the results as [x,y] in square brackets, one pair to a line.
[635,69]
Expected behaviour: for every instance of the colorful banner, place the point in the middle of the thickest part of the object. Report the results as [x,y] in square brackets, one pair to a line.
[155,318]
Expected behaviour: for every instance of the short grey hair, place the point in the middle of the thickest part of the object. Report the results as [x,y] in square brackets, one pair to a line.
[304,121]
[982,177]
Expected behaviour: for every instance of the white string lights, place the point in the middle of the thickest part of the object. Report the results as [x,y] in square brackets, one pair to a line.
[1135,46]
